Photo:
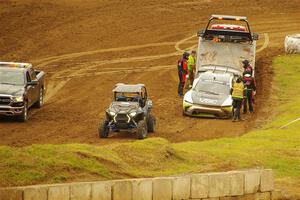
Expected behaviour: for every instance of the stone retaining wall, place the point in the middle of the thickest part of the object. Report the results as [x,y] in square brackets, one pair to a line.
[233,185]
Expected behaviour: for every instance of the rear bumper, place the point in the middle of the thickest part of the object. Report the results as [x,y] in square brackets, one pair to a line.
[207,111]
[11,111]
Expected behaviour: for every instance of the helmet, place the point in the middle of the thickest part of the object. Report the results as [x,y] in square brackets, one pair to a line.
[246,62]
[186,55]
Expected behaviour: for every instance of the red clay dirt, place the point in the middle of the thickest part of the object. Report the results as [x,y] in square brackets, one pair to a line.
[88,46]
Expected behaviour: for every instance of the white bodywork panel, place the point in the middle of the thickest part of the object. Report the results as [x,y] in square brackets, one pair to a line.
[292,43]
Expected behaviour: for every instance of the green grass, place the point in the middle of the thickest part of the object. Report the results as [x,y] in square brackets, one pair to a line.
[270,147]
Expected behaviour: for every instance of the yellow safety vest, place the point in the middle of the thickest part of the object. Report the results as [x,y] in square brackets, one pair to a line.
[191,62]
[238,90]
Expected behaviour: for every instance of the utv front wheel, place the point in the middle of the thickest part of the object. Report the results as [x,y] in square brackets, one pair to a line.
[141,130]
[151,124]
[103,129]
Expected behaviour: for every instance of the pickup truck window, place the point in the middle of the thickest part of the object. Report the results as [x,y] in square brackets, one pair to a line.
[28,78]
[11,77]
[32,74]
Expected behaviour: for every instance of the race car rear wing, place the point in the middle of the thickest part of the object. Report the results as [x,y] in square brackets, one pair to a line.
[208,33]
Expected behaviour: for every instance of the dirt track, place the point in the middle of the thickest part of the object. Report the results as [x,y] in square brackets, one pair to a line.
[86,48]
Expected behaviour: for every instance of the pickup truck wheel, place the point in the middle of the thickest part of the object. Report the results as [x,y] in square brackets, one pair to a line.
[23,117]
[103,129]
[141,130]
[40,101]
[151,124]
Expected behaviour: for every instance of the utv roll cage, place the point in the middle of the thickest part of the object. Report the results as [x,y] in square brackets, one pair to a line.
[134,93]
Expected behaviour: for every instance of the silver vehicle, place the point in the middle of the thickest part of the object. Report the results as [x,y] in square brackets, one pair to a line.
[130,110]
[210,96]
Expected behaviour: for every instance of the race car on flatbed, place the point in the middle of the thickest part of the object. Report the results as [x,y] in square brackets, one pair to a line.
[225,43]
[20,88]
[130,110]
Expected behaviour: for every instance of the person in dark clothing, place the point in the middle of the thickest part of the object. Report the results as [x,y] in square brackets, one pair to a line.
[250,87]
[182,71]
[237,99]
[248,69]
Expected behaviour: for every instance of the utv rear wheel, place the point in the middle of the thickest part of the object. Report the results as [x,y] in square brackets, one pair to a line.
[141,130]
[103,129]
[151,124]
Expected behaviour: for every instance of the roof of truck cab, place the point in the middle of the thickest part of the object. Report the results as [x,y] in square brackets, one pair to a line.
[15,65]
[128,88]
[229,17]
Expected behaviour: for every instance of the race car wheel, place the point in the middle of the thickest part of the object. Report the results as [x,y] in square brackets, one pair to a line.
[103,129]
[141,130]
[151,124]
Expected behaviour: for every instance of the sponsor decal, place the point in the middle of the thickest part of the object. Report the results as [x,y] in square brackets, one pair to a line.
[208,101]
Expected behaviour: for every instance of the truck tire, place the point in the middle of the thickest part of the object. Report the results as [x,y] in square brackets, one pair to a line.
[40,101]
[151,124]
[141,132]
[24,116]
[103,129]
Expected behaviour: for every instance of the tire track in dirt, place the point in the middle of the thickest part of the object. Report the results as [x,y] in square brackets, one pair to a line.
[266,43]
[45,61]
[53,87]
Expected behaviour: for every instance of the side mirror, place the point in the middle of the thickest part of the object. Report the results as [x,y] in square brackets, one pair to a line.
[255,36]
[200,33]
[150,104]
[33,82]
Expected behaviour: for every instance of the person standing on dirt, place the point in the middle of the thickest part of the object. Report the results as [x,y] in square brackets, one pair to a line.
[237,99]
[191,68]
[250,88]
[247,67]
[182,71]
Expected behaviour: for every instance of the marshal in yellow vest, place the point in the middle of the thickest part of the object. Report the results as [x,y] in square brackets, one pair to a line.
[238,90]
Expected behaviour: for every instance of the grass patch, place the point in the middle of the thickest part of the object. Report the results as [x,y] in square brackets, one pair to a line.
[271,147]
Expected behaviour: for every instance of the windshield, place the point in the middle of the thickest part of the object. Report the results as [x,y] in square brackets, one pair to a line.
[127,96]
[216,88]
[11,77]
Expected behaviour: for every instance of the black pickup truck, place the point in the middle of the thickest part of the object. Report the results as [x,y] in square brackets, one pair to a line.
[20,88]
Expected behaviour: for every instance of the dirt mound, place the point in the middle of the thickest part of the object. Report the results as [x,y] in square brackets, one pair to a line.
[87,47]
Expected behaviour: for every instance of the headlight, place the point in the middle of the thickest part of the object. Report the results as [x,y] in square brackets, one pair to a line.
[112,113]
[132,114]
[18,99]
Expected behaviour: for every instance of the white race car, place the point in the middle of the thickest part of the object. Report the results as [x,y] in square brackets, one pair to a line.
[210,96]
